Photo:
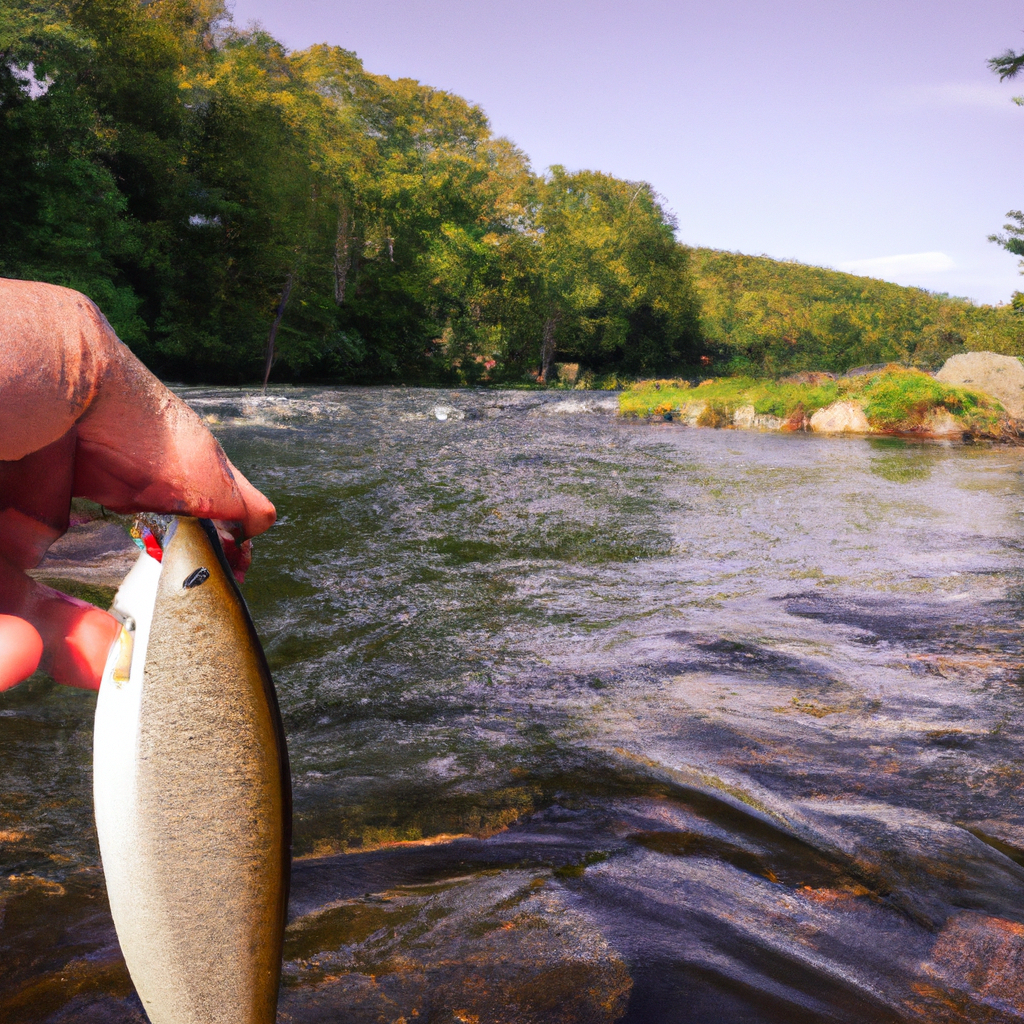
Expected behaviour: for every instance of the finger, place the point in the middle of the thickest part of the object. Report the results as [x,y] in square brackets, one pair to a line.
[76,636]
[237,551]
[49,363]
[141,448]
[35,495]
[21,647]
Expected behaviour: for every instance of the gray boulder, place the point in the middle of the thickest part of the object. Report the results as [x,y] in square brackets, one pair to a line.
[1002,377]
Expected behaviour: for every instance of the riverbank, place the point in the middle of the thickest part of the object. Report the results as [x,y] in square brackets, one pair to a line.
[891,400]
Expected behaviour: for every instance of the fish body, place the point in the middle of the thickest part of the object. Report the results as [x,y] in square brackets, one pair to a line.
[192,790]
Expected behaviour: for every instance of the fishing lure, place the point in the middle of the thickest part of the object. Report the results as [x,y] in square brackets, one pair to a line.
[191,786]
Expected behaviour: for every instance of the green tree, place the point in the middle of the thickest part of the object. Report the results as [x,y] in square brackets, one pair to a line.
[63,217]
[615,286]
[1013,240]
[1008,65]
[231,204]
[764,316]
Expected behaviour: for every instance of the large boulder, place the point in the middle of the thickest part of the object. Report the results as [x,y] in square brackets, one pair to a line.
[747,418]
[841,418]
[1002,377]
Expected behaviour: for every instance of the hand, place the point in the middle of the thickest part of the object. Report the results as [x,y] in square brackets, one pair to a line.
[80,416]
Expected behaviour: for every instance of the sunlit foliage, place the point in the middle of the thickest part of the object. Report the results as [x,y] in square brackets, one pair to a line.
[894,399]
[764,316]
[203,183]
[211,190]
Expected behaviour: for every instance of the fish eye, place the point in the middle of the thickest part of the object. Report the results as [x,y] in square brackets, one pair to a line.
[195,579]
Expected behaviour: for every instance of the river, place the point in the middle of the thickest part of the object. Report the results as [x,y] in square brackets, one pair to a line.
[596,721]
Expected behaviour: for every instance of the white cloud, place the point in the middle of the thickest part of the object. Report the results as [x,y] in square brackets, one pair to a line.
[899,266]
[990,95]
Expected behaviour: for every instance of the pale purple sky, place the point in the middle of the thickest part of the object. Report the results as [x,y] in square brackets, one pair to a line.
[835,132]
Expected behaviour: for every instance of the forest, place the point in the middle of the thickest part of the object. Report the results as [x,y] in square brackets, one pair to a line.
[235,207]
[207,187]
[766,317]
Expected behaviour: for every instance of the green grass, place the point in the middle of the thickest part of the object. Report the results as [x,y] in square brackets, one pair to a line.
[892,399]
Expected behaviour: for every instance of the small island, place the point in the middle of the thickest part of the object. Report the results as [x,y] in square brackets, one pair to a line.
[976,395]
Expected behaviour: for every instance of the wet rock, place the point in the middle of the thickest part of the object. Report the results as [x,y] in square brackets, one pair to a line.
[1002,377]
[65,964]
[485,948]
[98,552]
[577,406]
[980,956]
[90,541]
[840,418]
[746,418]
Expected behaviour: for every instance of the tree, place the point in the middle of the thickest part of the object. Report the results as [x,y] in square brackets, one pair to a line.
[1008,65]
[1013,240]
[616,291]
[63,217]
[237,209]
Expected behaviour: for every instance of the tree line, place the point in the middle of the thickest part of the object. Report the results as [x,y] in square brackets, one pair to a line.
[237,209]
[766,317]
[214,192]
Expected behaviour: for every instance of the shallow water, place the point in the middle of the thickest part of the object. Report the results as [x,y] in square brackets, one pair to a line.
[597,721]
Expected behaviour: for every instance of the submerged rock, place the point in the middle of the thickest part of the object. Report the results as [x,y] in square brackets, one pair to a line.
[1002,377]
[487,947]
[840,418]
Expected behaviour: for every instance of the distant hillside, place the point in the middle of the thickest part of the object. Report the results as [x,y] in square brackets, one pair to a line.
[767,316]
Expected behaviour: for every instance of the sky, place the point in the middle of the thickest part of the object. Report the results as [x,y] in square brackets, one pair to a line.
[864,135]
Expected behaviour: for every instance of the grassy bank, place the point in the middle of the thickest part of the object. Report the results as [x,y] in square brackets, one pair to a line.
[894,399]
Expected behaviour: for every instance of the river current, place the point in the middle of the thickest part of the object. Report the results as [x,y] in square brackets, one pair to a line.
[595,721]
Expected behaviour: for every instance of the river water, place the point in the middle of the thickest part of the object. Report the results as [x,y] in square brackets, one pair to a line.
[596,721]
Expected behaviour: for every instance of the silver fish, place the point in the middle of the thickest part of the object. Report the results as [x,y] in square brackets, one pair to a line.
[192,790]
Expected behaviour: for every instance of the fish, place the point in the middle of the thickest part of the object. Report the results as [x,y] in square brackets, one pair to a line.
[192,789]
